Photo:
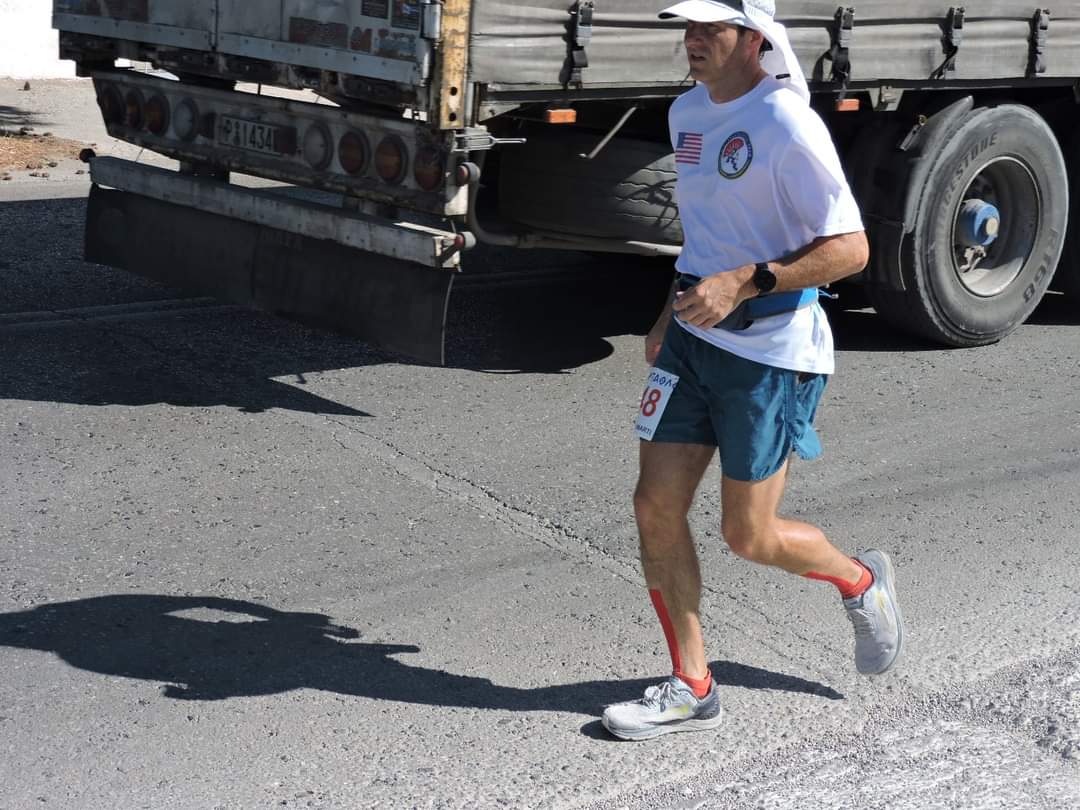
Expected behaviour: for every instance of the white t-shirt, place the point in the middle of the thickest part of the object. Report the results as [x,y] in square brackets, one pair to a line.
[759,178]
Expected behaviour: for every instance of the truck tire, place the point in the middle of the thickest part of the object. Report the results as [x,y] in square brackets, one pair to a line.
[626,192]
[1005,164]
[1067,279]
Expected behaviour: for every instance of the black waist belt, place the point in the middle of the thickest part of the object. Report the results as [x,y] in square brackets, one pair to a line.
[763,306]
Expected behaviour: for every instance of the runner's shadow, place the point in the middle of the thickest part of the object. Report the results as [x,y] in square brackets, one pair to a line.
[226,648]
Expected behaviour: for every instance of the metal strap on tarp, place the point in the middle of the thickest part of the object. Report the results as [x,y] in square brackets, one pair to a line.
[954,37]
[581,28]
[522,46]
[1040,36]
[843,34]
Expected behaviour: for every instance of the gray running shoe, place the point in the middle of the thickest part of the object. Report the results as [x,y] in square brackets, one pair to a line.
[666,708]
[879,627]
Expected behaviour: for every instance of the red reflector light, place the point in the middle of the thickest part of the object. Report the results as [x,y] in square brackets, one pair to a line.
[354,153]
[157,114]
[391,159]
[429,169]
[467,173]
[112,105]
[133,109]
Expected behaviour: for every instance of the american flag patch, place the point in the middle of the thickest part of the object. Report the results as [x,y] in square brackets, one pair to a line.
[688,148]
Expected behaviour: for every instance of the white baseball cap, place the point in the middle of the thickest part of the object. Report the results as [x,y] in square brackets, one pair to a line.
[780,62]
[736,12]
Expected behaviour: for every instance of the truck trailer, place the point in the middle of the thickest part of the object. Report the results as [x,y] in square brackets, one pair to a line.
[337,159]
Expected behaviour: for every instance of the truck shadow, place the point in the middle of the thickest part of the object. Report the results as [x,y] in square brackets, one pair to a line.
[16,117]
[1056,309]
[515,312]
[237,648]
[556,319]
[863,330]
[86,334]
[117,364]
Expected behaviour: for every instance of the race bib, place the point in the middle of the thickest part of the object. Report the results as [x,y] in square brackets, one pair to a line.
[653,402]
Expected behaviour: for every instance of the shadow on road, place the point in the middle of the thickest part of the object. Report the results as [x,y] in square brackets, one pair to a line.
[251,649]
[555,320]
[1056,309]
[554,317]
[111,370]
[864,330]
[514,312]
[16,117]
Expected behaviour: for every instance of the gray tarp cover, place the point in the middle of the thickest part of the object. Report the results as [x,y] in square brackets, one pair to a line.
[525,43]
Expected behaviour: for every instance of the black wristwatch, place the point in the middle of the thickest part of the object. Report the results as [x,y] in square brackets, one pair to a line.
[764,278]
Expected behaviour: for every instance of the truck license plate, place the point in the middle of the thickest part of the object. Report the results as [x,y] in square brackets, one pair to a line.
[254,137]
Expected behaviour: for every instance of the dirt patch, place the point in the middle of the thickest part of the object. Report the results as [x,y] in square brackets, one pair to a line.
[21,151]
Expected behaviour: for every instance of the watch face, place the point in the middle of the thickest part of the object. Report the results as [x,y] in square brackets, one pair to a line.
[764,279]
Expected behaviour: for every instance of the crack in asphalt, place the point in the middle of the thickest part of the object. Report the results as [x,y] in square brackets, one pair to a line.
[533,525]
[549,533]
[92,316]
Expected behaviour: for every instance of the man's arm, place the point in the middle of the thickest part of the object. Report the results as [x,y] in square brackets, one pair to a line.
[823,261]
[655,339]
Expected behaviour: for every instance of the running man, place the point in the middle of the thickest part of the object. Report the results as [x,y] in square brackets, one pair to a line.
[742,352]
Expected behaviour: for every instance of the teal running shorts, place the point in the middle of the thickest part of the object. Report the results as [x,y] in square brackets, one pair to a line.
[755,415]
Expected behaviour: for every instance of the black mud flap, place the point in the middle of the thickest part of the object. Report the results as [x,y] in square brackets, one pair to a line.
[389,303]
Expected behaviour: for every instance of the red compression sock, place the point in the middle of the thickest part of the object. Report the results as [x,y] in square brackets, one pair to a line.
[669,631]
[699,685]
[848,590]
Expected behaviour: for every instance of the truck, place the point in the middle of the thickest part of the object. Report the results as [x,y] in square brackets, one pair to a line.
[337,159]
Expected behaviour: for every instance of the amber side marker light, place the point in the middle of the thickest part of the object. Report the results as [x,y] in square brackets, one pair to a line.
[564,116]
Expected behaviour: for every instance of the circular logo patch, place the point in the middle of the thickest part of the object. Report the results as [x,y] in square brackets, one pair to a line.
[736,155]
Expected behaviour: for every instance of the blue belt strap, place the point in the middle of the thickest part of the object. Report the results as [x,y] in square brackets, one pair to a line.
[765,306]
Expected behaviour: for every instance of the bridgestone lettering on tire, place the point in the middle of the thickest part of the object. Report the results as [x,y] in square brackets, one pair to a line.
[1008,157]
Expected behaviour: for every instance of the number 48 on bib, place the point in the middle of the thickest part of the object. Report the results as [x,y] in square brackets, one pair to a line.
[657,394]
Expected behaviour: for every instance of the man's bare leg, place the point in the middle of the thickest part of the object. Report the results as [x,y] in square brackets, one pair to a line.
[670,475]
[754,531]
[669,478]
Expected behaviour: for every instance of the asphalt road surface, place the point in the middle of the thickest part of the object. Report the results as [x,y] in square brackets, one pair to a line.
[246,564]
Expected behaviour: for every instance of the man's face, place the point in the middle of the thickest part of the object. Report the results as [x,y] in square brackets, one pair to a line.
[710,48]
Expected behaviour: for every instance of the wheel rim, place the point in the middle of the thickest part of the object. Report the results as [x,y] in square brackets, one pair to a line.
[991,258]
